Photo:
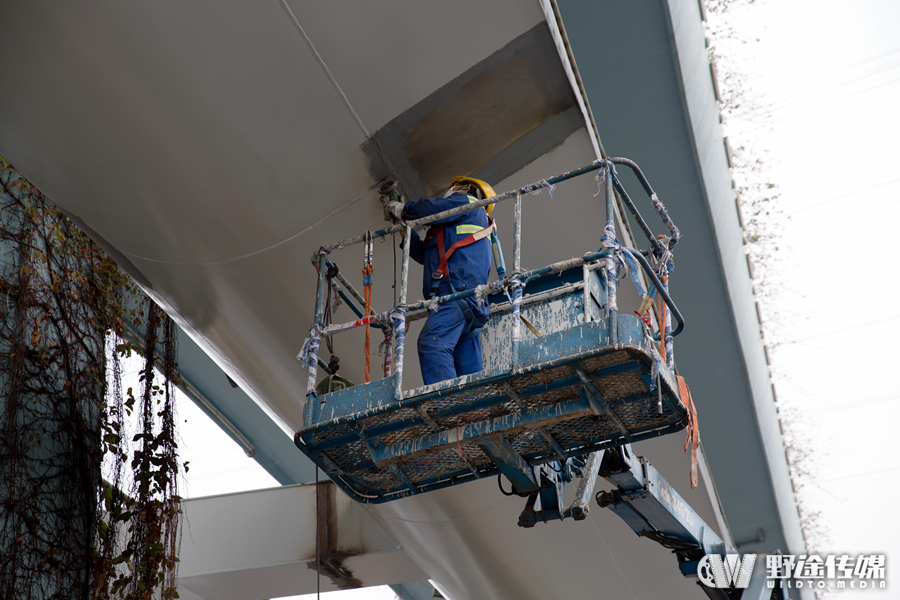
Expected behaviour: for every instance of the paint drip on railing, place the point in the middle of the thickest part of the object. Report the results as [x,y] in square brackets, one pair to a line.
[483,291]
[309,356]
[516,285]
[566,265]
[670,351]
[664,263]
[616,263]
[664,215]
[314,259]
[384,349]
[336,294]
[657,362]
[600,176]
[398,321]
[540,185]
[610,241]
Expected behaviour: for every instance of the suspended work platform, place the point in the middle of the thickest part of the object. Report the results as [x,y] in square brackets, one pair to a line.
[594,380]
[593,395]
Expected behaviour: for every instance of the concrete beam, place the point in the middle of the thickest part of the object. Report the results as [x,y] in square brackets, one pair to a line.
[262,544]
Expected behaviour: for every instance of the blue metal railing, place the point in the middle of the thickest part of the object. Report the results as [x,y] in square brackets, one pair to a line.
[399,315]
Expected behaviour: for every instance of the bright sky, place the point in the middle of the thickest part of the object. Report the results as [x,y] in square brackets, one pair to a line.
[831,73]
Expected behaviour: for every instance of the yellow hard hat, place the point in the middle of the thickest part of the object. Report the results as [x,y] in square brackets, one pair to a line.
[482,186]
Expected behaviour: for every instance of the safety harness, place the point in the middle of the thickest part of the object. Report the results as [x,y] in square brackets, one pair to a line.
[437,231]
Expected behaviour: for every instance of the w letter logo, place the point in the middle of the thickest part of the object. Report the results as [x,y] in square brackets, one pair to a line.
[716,571]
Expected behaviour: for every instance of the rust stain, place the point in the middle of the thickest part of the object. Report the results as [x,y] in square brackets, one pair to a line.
[330,563]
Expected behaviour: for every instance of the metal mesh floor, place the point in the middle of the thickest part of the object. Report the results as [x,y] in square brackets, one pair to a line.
[431,440]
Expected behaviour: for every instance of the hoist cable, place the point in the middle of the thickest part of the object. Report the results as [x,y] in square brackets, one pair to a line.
[318,558]
[368,269]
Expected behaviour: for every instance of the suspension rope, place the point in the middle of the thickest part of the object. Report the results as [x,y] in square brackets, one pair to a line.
[367,270]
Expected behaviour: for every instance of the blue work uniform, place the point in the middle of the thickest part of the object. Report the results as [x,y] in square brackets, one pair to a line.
[448,346]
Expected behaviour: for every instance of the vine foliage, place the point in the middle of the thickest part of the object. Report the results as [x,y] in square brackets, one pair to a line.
[88,510]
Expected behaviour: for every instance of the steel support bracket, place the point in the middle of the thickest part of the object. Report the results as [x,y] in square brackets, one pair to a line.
[510,464]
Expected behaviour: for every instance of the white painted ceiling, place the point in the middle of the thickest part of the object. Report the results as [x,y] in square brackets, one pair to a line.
[216,145]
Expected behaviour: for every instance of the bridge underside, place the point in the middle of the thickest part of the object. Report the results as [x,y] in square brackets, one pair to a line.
[212,147]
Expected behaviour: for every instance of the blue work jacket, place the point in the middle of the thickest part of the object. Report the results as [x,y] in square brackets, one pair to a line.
[470,265]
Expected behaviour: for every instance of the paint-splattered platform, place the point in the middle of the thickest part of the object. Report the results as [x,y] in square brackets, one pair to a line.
[572,393]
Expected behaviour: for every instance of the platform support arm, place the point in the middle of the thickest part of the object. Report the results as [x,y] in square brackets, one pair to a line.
[553,478]
[653,509]
[664,515]
[582,504]
[510,464]
[598,404]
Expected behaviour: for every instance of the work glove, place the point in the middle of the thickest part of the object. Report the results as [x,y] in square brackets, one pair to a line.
[395,209]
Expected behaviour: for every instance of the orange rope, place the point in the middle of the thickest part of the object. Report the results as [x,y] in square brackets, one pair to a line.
[693,428]
[367,293]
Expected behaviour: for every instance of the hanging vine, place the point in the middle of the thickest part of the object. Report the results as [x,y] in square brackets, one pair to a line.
[69,528]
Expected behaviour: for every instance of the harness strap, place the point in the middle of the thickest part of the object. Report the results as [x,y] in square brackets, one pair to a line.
[437,231]
[473,328]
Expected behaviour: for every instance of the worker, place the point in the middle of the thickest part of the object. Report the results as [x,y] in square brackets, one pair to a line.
[449,345]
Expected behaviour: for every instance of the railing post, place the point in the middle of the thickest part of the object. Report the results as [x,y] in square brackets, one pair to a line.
[586,276]
[312,358]
[517,233]
[612,323]
[400,336]
[605,283]
[516,297]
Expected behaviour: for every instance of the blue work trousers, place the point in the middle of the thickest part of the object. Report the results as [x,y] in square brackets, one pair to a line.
[442,355]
